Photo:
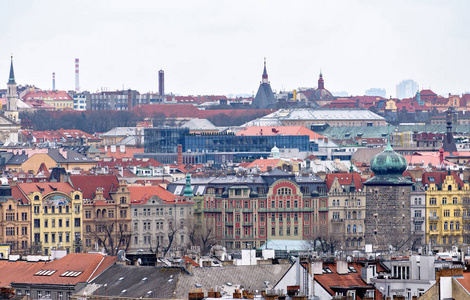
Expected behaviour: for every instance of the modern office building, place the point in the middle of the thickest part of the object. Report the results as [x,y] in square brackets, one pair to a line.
[167,139]
[406,89]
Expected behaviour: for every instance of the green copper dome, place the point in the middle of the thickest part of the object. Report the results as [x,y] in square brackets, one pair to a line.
[388,162]
[388,167]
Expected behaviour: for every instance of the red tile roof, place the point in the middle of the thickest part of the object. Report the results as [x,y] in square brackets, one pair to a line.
[465,281]
[191,111]
[439,177]
[278,130]
[89,183]
[118,154]
[41,95]
[90,264]
[141,194]
[11,271]
[345,179]
[263,164]
[45,187]
[329,280]
[74,134]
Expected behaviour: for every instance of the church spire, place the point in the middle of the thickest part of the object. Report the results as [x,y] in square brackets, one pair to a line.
[321,83]
[11,80]
[265,73]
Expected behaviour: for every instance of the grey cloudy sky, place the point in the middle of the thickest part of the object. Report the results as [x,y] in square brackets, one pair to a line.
[217,47]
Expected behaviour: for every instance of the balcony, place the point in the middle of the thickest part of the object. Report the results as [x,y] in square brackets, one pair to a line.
[466,217]
[323,209]
[212,209]
[247,224]
[336,220]
[416,219]
[228,223]
[433,218]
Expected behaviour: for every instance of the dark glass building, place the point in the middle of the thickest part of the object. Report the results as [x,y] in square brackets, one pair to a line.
[166,140]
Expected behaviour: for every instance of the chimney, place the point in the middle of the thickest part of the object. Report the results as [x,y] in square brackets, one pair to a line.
[77,76]
[180,155]
[161,83]
[53,81]
[317,267]
[342,267]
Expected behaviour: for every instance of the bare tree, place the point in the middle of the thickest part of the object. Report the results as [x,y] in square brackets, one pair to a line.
[110,238]
[325,243]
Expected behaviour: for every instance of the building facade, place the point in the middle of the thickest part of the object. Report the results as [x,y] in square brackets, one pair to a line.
[56,209]
[106,212]
[15,222]
[347,209]
[161,221]
[447,210]
[247,211]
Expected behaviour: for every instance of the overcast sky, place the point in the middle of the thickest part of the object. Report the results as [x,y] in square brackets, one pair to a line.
[217,47]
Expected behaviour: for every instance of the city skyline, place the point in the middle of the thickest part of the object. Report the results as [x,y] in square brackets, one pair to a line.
[356,44]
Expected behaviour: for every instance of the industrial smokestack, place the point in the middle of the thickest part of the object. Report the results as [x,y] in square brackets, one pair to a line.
[161,84]
[77,76]
[53,81]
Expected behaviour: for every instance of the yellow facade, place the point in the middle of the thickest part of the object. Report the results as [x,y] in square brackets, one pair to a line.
[446,213]
[57,221]
[60,104]
[33,163]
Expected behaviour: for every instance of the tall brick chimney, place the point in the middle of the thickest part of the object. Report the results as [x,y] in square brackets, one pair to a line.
[180,155]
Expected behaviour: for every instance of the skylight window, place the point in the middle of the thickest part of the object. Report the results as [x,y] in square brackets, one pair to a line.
[45,273]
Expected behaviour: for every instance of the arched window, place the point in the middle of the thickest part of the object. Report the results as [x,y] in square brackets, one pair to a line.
[359,228]
[449,187]
[451,227]
[358,202]
[359,215]
[349,228]
[349,215]
[36,197]
[334,202]
[446,226]
[354,228]
[77,197]
[103,213]
[457,225]
[98,213]
[354,215]
[346,202]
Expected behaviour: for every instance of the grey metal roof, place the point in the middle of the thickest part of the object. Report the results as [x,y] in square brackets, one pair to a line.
[199,124]
[71,157]
[250,277]
[324,114]
[160,280]
[122,131]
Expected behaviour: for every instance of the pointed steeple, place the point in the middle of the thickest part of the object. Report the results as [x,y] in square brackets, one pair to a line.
[265,73]
[321,83]
[11,80]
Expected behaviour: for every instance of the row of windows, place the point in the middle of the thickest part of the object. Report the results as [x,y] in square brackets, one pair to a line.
[348,215]
[346,202]
[433,200]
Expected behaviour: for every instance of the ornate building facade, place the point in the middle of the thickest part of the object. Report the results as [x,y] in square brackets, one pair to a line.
[347,209]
